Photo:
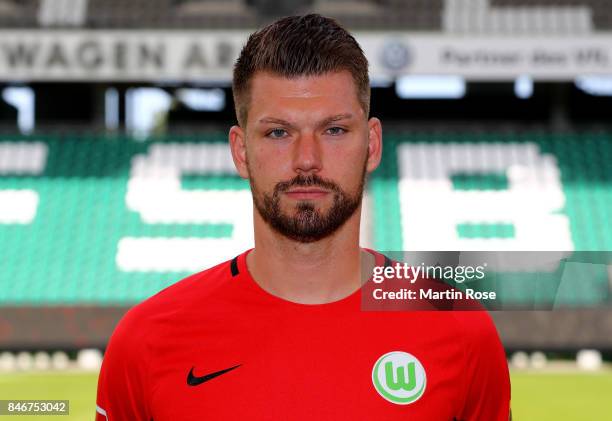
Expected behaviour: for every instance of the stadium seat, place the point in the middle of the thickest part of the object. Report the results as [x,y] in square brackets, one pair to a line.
[455,16]
[83,213]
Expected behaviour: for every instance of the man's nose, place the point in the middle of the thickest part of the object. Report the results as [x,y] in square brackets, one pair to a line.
[307,154]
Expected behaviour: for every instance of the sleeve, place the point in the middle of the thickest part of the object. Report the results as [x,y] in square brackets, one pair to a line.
[486,379]
[123,381]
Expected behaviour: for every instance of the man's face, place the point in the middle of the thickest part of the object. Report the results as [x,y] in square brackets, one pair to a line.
[306,152]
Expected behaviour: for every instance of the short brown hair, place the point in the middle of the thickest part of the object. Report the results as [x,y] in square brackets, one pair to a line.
[308,45]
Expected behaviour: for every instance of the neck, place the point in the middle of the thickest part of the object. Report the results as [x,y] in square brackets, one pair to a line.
[308,273]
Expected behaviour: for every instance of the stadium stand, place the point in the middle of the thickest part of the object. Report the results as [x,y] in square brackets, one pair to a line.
[456,16]
[18,14]
[62,12]
[483,16]
[78,203]
[170,14]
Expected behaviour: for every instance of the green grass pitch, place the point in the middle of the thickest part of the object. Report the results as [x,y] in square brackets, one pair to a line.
[573,396]
[535,396]
[78,388]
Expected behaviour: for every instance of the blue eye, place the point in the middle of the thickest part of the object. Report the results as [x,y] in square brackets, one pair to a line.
[335,131]
[277,133]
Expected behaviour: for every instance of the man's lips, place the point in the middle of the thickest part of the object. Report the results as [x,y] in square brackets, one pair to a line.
[305,193]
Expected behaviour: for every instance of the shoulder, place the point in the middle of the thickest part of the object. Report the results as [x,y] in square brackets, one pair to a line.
[171,301]
[192,288]
[477,328]
[482,349]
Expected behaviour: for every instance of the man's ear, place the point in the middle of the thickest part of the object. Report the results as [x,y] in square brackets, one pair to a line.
[374,144]
[237,141]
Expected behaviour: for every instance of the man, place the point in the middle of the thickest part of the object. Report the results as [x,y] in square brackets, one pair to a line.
[277,333]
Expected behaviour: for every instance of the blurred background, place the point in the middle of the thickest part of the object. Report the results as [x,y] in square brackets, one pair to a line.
[116,178]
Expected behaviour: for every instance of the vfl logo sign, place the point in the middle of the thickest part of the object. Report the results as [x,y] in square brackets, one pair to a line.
[399,377]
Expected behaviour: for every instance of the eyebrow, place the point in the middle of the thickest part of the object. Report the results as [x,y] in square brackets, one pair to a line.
[337,117]
[324,122]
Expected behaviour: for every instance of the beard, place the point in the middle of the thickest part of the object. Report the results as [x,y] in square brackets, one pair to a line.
[307,224]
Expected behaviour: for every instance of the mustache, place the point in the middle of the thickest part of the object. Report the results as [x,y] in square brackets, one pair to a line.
[307,181]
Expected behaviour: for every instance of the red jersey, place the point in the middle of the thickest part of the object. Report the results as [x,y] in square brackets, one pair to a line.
[216,346]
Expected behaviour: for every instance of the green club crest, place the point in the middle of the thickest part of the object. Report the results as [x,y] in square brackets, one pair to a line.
[399,377]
